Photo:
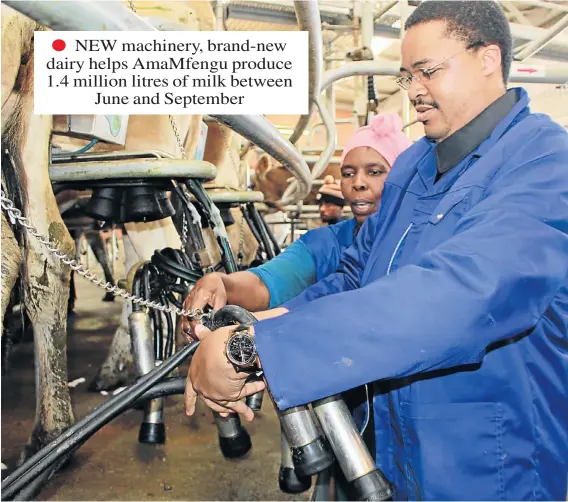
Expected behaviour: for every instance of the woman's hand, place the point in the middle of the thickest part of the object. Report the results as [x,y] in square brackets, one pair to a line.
[209,290]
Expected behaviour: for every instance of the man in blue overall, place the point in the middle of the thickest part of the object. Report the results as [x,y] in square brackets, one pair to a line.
[330,202]
[453,299]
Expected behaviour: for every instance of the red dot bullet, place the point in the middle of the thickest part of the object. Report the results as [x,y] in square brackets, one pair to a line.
[58,45]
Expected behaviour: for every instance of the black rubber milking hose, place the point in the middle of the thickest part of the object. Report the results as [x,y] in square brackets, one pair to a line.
[172,299]
[136,289]
[252,226]
[227,255]
[194,231]
[83,429]
[154,315]
[263,235]
[193,228]
[271,236]
[167,387]
[199,193]
[147,291]
[158,334]
[182,258]
[155,274]
[169,327]
[187,261]
[179,288]
[173,254]
[29,491]
[206,204]
[171,267]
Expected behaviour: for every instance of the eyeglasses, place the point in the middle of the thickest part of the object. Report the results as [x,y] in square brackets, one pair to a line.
[424,74]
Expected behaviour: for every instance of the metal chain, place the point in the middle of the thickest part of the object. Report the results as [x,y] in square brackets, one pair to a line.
[15,215]
[184,230]
[172,121]
[240,254]
[178,139]
[228,147]
[242,229]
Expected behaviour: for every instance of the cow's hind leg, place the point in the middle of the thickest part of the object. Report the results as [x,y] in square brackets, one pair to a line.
[97,245]
[118,365]
[115,370]
[11,261]
[46,300]
[46,289]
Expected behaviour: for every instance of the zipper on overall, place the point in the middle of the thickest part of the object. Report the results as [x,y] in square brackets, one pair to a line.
[395,252]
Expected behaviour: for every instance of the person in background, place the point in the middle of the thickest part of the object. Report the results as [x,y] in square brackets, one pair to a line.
[365,162]
[330,201]
[452,303]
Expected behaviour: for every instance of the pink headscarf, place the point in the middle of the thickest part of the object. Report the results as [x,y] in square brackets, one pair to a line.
[383,134]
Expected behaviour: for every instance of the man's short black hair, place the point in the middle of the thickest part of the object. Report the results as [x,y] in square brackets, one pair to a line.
[470,21]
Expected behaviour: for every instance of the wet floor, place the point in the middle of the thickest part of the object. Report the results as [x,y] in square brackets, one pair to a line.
[112,465]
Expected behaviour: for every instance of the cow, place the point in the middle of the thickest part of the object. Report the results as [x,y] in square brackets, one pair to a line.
[45,279]
[271,178]
[26,140]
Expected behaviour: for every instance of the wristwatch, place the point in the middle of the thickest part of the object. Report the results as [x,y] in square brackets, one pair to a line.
[241,349]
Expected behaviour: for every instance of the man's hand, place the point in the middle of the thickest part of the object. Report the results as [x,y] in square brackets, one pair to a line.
[214,378]
[209,290]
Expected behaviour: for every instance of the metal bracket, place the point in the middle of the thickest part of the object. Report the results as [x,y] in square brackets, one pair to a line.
[178,169]
[232,196]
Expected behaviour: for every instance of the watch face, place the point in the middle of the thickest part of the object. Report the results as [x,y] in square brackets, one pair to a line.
[241,349]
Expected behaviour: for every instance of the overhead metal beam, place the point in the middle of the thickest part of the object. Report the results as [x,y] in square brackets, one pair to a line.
[263,14]
[538,44]
[308,18]
[521,32]
[521,47]
[553,75]
[384,10]
[550,5]
[285,15]
[553,15]
[289,4]
[87,16]
[513,9]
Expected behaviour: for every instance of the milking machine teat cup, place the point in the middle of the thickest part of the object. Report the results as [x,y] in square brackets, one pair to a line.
[310,451]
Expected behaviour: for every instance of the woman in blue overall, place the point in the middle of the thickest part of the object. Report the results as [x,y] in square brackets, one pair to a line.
[365,163]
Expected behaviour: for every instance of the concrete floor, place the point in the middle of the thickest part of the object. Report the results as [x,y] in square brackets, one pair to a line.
[112,465]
